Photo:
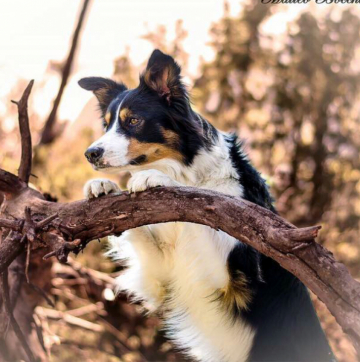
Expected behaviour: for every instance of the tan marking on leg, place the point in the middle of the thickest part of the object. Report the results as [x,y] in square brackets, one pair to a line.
[236,294]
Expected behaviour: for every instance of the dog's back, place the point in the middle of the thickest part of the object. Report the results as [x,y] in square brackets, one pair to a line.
[281,311]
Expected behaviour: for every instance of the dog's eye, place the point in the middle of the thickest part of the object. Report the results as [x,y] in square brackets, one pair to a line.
[134,121]
[105,125]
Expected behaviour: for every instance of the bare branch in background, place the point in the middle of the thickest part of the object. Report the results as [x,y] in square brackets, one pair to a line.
[48,133]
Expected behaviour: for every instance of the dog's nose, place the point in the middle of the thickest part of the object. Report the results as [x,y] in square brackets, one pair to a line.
[93,154]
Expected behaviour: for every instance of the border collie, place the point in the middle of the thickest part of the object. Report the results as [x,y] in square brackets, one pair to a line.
[220,299]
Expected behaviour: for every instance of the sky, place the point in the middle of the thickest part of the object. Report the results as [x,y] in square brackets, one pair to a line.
[34,32]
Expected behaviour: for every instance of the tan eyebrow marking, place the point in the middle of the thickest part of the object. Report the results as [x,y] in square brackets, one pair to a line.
[107,118]
[125,113]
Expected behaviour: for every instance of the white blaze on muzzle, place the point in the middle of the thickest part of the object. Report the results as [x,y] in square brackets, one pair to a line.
[115,146]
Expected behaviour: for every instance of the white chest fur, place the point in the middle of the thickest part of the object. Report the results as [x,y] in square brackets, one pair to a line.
[178,268]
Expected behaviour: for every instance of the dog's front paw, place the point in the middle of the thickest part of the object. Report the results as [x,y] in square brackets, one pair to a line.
[143,180]
[99,187]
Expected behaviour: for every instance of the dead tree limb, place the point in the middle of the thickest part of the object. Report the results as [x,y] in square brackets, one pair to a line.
[48,132]
[65,228]
[26,146]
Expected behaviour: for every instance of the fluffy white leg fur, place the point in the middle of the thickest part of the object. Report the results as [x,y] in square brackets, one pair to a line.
[144,252]
[146,273]
[181,266]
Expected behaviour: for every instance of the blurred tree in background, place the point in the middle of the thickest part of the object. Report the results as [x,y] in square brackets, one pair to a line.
[294,100]
[298,107]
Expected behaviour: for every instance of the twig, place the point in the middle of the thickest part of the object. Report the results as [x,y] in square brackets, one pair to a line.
[42,293]
[26,146]
[14,243]
[10,248]
[39,334]
[48,130]
[63,250]
[82,346]
[68,318]
[15,225]
[14,324]
[120,337]
[86,309]
[17,271]
[41,224]
[95,275]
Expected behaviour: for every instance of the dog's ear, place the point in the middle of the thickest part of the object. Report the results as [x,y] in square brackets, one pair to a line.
[104,89]
[162,75]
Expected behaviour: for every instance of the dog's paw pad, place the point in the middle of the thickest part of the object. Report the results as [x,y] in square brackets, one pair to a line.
[99,187]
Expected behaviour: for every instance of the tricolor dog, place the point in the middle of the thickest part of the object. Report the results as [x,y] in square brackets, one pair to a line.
[220,300]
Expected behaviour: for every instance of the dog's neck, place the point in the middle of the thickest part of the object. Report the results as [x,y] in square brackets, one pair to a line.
[211,168]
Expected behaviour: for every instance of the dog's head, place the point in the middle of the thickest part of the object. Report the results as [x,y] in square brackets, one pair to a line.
[147,124]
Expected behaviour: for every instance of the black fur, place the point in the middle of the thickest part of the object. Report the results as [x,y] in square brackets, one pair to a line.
[104,89]
[281,310]
[255,188]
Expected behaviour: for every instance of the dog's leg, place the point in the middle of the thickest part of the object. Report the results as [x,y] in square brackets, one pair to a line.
[147,267]
[99,187]
[144,276]
[148,261]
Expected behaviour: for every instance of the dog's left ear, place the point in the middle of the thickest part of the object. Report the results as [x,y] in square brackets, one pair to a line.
[162,75]
[104,89]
